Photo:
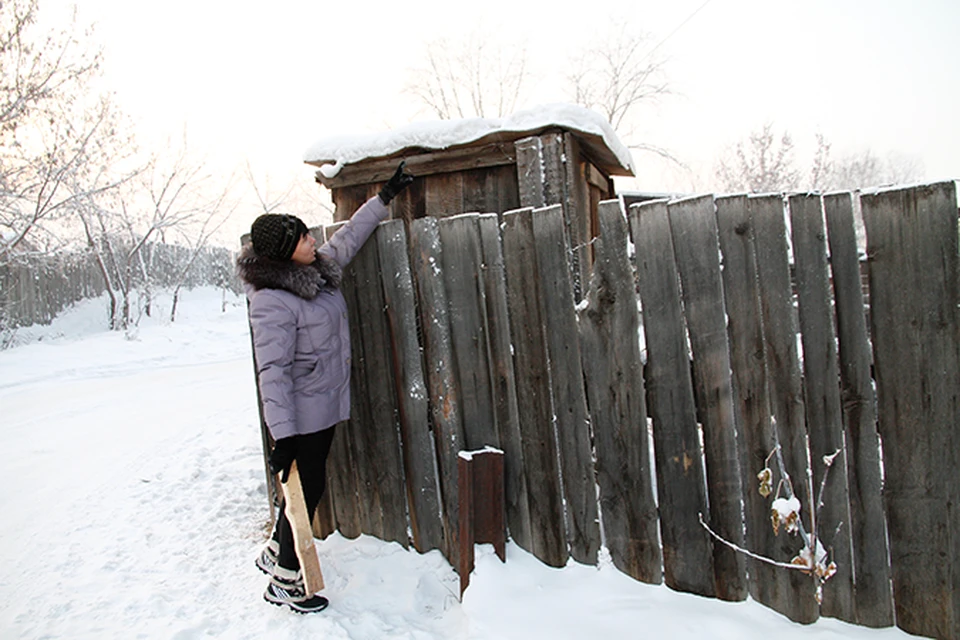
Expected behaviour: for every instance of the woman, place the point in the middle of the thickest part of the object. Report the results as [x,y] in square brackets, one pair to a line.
[301,344]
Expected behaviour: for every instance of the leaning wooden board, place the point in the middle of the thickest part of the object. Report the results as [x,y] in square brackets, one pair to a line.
[296,511]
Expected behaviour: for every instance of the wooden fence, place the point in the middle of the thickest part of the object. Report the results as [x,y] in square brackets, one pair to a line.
[466,334]
[34,289]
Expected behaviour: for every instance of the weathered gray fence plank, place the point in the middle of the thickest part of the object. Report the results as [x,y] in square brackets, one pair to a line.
[610,349]
[912,253]
[504,380]
[372,359]
[784,379]
[566,383]
[561,185]
[533,389]
[427,256]
[767,584]
[416,441]
[461,269]
[342,483]
[693,224]
[687,547]
[868,525]
[530,171]
[360,415]
[822,400]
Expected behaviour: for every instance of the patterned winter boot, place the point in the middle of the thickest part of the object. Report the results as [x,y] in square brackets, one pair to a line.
[286,588]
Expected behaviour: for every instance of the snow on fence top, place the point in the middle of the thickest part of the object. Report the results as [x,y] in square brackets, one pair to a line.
[332,154]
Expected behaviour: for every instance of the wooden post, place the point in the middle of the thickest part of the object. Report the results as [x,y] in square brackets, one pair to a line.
[296,512]
[482,515]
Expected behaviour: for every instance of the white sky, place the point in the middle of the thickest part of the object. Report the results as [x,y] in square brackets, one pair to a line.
[263,81]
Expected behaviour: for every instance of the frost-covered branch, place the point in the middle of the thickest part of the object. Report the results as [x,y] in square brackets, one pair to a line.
[812,558]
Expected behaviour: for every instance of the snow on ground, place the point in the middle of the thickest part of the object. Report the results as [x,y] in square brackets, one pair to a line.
[134,504]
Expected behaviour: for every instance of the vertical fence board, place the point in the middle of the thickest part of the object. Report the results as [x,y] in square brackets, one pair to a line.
[368,497]
[427,256]
[342,483]
[912,253]
[560,186]
[533,389]
[530,171]
[460,237]
[868,526]
[696,246]
[610,349]
[687,548]
[504,380]
[767,584]
[417,444]
[566,380]
[379,430]
[784,380]
[822,400]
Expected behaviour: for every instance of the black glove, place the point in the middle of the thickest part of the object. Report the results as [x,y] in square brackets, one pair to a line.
[397,183]
[284,453]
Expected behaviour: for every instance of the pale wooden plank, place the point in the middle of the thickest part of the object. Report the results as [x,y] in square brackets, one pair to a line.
[296,512]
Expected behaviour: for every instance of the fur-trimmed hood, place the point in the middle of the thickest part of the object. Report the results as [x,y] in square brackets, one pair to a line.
[305,281]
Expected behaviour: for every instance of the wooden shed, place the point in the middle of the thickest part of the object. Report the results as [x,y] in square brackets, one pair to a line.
[556,154]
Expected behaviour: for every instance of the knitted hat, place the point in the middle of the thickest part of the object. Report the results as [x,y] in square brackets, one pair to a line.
[276,235]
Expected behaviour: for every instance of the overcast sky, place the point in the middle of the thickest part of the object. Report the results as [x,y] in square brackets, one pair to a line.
[262,81]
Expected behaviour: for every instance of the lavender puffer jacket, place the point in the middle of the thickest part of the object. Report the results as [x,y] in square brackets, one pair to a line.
[301,337]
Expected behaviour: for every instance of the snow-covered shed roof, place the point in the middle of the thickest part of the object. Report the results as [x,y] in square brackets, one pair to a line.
[592,130]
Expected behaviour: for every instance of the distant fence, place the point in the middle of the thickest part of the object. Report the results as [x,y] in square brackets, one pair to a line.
[466,334]
[34,289]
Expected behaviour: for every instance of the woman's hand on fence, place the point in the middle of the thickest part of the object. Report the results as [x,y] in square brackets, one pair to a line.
[399,181]
[284,453]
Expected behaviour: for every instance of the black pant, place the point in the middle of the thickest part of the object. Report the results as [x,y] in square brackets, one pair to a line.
[312,452]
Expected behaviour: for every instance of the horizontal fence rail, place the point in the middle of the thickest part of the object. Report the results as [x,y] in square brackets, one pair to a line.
[717,336]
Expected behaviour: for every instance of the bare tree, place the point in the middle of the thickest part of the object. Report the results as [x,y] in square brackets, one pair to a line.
[472,77]
[56,135]
[214,213]
[860,169]
[616,74]
[168,196]
[295,196]
[761,164]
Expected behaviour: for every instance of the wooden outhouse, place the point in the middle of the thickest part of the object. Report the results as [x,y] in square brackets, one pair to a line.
[552,155]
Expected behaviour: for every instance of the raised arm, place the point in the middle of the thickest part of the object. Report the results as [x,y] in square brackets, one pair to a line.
[346,242]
